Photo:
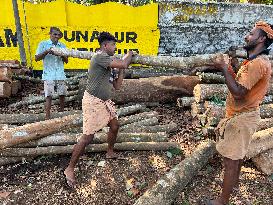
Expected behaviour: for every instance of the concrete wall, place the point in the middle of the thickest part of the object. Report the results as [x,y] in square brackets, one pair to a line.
[188,27]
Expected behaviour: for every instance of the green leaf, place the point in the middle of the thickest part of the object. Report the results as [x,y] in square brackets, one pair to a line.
[169,154]
[130,193]
[175,151]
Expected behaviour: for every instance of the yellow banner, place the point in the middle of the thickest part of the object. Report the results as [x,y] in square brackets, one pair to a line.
[134,27]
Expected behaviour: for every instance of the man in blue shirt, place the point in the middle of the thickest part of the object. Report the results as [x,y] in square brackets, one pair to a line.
[53,69]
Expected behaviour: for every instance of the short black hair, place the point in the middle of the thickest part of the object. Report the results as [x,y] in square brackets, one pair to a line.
[106,36]
[53,28]
[268,41]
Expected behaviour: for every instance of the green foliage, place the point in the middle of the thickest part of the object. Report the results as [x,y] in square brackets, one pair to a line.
[217,100]
[173,152]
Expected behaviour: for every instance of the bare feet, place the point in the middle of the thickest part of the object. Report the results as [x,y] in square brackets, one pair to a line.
[111,155]
[70,177]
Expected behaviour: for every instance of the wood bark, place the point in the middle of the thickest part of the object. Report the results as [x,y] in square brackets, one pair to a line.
[156,128]
[38,99]
[204,92]
[54,102]
[60,139]
[125,146]
[36,130]
[28,78]
[261,141]
[169,186]
[157,89]
[5,74]
[211,78]
[15,87]
[29,118]
[182,63]
[137,117]
[264,161]
[140,72]
[128,110]
[265,124]
[10,160]
[197,108]
[5,90]
[185,101]
[145,122]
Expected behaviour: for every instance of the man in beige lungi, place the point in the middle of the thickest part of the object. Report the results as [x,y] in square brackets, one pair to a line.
[247,89]
[98,109]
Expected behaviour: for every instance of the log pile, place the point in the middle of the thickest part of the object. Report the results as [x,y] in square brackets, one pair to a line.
[9,86]
[208,108]
[140,130]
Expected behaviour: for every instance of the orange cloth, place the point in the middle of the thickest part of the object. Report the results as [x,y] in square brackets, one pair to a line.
[266,28]
[254,75]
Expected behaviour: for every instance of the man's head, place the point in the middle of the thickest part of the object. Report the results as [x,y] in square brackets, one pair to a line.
[260,36]
[107,43]
[55,34]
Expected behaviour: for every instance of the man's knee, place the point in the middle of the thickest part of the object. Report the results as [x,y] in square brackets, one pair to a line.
[86,139]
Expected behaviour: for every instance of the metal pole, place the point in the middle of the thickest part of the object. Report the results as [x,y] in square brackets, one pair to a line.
[19,33]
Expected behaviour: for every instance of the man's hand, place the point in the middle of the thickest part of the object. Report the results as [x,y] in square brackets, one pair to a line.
[220,62]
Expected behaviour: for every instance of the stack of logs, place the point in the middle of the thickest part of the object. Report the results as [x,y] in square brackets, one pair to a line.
[8,86]
[140,130]
[208,107]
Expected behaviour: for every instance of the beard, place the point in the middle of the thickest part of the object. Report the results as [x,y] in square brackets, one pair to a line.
[251,45]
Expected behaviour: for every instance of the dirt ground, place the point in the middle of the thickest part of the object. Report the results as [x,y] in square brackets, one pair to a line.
[121,182]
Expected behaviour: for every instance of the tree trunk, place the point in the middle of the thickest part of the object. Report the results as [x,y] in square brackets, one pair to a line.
[15,87]
[5,90]
[185,101]
[167,187]
[125,146]
[268,99]
[137,117]
[10,160]
[157,89]
[182,63]
[197,108]
[61,139]
[36,130]
[211,78]
[157,128]
[27,78]
[145,122]
[29,118]
[136,73]
[261,141]
[264,161]
[204,92]
[266,110]
[38,99]
[265,124]
[128,110]
[54,102]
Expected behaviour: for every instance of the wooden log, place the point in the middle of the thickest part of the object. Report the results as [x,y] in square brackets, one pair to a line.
[15,87]
[169,186]
[157,89]
[5,90]
[28,78]
[261,141]
[211,78]
[5,75]
[29,118]
[145,122]
[54,102]
[39,99]
[125,146]
[36,130]
[204,92]
[197,108]
[267,99]
[161,61]
[185,101]
[10,64]
[60,139]
[130,109]
[264,161]
[208,131]
[265,124]
[266,110]
[171,127]
[10,160]
[137,117]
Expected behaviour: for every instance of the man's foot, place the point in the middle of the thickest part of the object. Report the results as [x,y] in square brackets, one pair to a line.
[213,202]
[70,177]
[111,155]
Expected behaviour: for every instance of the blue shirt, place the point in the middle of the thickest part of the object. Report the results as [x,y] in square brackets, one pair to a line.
[53,65]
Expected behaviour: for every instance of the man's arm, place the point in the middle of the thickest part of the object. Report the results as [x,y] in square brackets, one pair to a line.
[42,55]
[237,91]
[118,82]
[123,63]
